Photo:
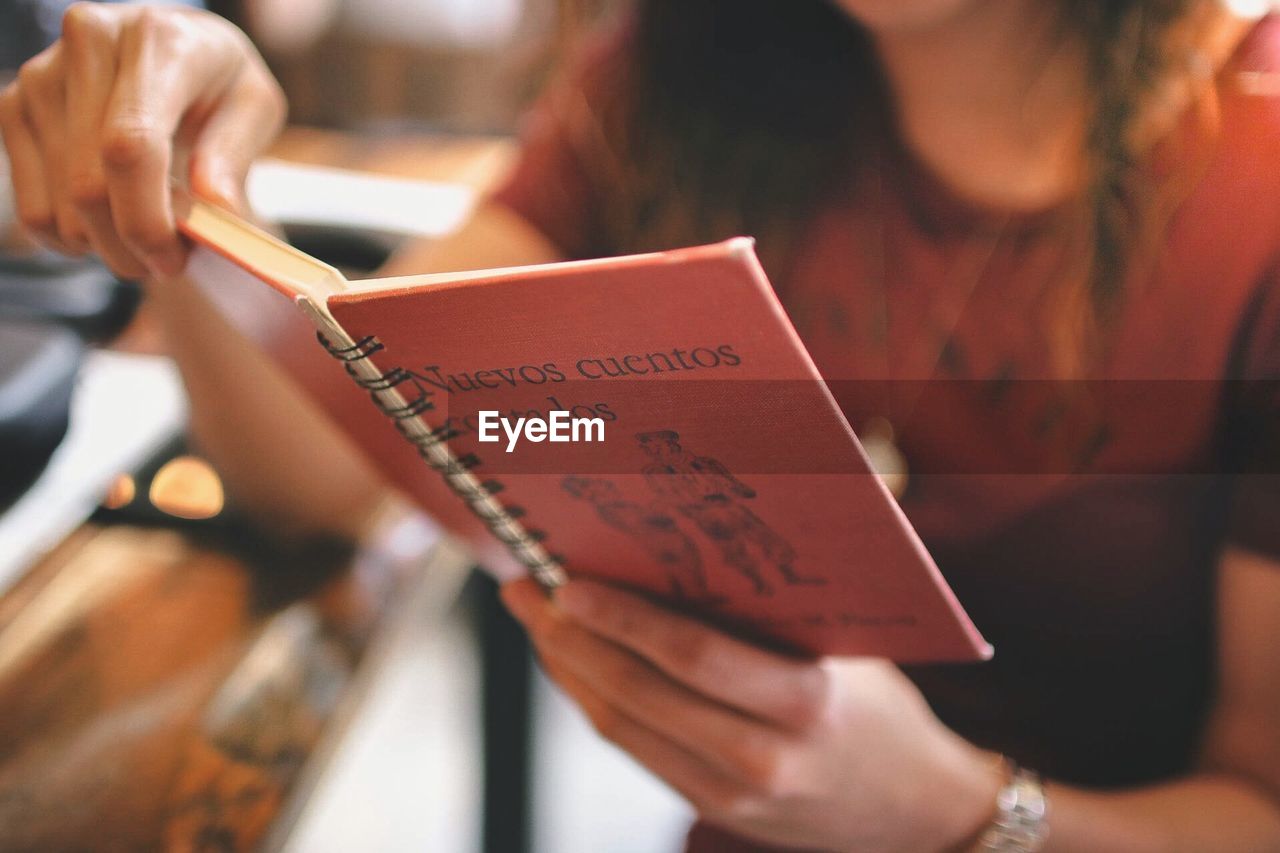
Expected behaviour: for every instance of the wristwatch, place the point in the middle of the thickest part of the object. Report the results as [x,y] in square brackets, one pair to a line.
[1021,824]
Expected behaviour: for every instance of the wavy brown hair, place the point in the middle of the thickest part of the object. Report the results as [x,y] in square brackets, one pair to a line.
[743,120]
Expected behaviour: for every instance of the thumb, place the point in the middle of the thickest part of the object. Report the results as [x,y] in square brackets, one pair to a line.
[221,182]
[236,132]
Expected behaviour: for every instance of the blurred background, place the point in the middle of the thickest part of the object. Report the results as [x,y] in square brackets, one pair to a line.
[453,745]
[455,65]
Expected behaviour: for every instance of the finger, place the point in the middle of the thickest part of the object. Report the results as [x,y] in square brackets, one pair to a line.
[142,115]
[241,125]
[739,746]
[783,690]
[107,245]
[26,169]
[41,85]
[707,789]
[88,39]
[523,597]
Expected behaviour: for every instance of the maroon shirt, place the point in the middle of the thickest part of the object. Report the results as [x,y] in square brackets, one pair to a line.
[1079,523]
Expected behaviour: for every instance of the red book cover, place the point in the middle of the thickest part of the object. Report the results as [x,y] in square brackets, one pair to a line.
[727,479]
[721,476]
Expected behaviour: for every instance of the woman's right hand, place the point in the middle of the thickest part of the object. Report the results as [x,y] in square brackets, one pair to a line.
[96,124]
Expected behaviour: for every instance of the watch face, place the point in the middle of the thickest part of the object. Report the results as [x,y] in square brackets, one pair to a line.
[1019,825]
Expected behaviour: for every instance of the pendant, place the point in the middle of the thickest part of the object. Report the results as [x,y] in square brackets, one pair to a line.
[887,460]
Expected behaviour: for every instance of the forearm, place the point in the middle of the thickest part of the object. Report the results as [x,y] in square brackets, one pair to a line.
[280,456]
[1202,812]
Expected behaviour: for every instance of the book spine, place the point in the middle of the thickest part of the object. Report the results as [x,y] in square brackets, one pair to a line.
[432,445]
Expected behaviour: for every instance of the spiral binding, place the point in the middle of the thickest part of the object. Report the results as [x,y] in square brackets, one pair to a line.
[432,445]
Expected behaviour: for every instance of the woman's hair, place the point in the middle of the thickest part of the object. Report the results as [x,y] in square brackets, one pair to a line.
[744,117]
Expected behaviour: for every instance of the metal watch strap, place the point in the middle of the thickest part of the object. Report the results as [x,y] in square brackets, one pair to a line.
[1022,811]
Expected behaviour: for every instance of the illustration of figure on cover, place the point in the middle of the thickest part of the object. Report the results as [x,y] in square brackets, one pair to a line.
[653,528]
[703,490]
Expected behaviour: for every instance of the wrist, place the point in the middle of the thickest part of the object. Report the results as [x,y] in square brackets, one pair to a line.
[967,805]
[1020,825]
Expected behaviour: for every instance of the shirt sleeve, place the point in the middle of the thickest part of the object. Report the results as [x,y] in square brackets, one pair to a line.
[566,167]
[1253,439]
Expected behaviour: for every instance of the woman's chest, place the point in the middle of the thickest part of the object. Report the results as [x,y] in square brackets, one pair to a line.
[962,346]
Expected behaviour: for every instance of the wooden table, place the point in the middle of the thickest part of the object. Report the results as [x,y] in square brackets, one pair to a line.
[162,693]
[162,690]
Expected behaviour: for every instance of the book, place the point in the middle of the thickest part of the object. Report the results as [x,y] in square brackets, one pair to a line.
[652,421]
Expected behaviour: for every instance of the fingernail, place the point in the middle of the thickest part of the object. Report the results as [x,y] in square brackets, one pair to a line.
[577,600]
[226,191]
[167,264]
[234,198]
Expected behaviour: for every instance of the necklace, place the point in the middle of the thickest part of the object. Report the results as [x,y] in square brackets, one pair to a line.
[878,436]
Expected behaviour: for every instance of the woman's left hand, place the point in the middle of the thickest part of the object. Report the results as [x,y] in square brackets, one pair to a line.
[837,754]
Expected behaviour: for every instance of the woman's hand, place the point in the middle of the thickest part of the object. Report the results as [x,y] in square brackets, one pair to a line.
[96,124]
[837,755]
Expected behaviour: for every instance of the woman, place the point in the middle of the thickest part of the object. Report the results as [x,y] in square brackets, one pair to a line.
[1039,199]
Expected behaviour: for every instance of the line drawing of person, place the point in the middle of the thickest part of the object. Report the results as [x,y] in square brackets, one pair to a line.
[706,492]
[652,527]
